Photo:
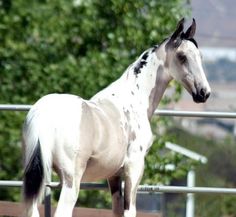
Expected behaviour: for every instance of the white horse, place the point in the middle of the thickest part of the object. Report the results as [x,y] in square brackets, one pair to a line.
[108,136]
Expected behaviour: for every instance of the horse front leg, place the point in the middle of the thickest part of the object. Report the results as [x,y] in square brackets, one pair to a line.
[116,192]
[133,173]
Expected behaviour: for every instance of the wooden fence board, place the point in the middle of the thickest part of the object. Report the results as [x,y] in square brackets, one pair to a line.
[14,209]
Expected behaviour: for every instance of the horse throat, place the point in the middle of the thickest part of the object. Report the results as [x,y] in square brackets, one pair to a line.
[158,90]
[150,77]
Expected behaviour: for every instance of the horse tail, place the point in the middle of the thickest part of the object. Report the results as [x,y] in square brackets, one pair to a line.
[33,174]
[37,168]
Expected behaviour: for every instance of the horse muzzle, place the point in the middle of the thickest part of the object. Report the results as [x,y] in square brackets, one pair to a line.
[201,96]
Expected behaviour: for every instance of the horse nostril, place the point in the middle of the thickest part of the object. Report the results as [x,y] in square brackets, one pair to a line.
[203,92]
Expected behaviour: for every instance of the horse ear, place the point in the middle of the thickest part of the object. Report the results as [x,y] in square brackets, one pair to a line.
[176,37]
[191,30]
[178,31]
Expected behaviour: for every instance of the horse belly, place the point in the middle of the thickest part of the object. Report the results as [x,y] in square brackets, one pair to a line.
[107,158]
[103,167]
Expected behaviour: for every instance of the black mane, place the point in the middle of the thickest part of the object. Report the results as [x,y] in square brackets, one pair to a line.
[194,41]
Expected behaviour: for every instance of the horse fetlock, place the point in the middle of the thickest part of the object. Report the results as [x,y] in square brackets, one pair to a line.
[131,212]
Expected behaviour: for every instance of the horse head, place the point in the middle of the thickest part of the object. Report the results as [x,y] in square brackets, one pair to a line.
[183,60]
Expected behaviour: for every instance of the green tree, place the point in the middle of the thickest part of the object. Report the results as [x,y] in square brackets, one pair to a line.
[77,47]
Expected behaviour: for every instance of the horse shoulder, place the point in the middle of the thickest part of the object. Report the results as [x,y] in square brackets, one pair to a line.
[139,132]
[106,139]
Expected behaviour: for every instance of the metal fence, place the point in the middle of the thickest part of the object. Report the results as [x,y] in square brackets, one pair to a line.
[142,188]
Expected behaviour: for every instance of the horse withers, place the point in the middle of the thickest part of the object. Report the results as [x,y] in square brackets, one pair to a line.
[108,136]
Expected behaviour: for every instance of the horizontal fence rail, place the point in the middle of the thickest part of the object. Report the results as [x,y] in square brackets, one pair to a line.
[141,188]
[186,190]
[85,186]
[160,112]
[8,107]
[208,114]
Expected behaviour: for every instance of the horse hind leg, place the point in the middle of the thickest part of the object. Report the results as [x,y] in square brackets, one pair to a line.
[31,209]
[68,198]
[69,192]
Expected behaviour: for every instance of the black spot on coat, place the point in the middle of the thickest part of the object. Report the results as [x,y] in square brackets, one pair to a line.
[154,48]
[141,63]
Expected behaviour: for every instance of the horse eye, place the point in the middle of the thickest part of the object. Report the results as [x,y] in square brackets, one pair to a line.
[182,58]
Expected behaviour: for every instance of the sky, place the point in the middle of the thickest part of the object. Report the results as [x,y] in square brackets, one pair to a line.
[216,22]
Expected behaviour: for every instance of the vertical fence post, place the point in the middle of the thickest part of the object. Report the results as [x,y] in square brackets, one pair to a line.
[47,202]
[47,199]
[190,196]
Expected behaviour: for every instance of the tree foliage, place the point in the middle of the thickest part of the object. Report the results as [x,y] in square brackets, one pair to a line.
[77,47]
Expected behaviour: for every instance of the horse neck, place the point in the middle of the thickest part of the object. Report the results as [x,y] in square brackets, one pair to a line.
[142,85]
[146,80]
